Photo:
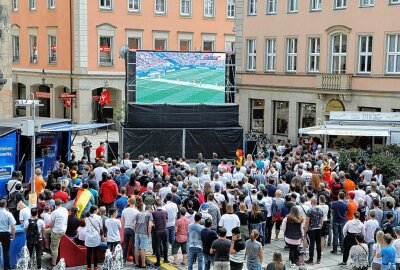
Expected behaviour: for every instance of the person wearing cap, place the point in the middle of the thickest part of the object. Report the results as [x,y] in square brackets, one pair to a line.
[352,227]
[75,187]
[237,250]
[218,197]
[351,206]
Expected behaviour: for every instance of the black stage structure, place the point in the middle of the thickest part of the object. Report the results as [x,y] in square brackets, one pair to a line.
[180,129]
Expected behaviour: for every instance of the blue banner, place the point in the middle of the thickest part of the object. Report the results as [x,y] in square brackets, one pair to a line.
[8,145]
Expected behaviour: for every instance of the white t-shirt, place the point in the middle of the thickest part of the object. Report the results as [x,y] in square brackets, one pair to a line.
[377,249]
[47,219]
[229,221]
[113,226]
[367,176]
[129,214]
[60,218]
[24,214]
[94,224]
[81,233]
[172,211]
[325,210]
[40,224]
[396,245]
[11,185]
[126,163]
[98,173]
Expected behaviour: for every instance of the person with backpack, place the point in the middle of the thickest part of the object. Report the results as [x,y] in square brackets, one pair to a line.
[293,231]
[277,204]
[7,232]
[34,229]
[149,197]
[13,199]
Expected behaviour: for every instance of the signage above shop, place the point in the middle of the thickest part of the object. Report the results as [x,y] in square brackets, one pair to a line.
[42,95]
[66,95]
[334,105]
[365,116]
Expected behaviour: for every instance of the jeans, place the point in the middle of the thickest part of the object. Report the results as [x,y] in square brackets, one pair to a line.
[161,239]
[338,235]
[38,250]
[389,267]
[208,260]
[193,253]
[129,236]
[315,238]
[370,253]
[5,242]
[91,251]
[171,235]
[221,265]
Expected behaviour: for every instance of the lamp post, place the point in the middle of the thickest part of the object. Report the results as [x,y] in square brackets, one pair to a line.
[28,128]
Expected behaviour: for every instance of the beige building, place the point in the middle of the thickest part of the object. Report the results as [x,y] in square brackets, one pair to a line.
[6,105]
[297,60]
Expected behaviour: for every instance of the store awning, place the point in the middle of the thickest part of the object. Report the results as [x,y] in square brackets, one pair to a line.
[347,130]
[74,127]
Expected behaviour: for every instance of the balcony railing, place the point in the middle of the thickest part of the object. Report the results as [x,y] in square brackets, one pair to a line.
[333,82]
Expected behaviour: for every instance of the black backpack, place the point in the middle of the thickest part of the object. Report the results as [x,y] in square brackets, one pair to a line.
[12,200]
[32,233]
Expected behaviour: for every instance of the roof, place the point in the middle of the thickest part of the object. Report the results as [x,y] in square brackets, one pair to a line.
[5,131]
[42,121]
[74,127]
[349,130]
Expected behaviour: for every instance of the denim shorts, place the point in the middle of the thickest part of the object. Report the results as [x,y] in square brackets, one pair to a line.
[141,241]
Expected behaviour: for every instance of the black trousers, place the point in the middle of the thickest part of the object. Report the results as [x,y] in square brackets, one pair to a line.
[268,230]
[161,239]
[293,253]
[235,266]
[38,250]
[315,238]
[129,236]
[5,243]
[91,251]
[349,241]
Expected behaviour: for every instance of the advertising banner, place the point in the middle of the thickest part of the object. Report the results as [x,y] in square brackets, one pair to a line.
[8,145]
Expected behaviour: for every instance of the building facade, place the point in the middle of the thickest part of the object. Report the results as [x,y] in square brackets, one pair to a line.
[6,101]
[297,60]
[72,46]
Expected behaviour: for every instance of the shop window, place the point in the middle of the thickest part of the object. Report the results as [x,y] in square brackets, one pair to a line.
[257,115]
[307,115]
[281,117]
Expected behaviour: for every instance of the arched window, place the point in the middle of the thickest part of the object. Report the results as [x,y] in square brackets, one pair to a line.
[338,53]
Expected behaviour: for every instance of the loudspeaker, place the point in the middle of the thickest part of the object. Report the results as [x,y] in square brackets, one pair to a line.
[250,146]
[112,151]
[108,112]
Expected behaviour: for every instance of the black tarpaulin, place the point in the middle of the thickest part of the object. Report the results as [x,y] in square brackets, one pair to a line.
[156,142]
[182,115]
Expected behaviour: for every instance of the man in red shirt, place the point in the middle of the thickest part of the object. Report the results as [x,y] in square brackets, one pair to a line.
[59,194]
[100,151]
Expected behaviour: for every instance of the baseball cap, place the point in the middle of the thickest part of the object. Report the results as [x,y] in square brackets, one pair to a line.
[78,181]
[150,185]
[204,207]
[217,187]
[352,194]
[65,171]
[261,186]
[156,161]
[169,159]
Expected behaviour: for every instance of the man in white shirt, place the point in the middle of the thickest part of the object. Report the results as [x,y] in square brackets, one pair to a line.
[141,165]
[370,228]
[126,162]
[59,220]
[252,198]
[172,211]
[98,172]
[38,245]
[229,220]
[13,182]
[366,175]
[128,216]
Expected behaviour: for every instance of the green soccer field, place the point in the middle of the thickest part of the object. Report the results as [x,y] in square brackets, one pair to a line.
[183,86]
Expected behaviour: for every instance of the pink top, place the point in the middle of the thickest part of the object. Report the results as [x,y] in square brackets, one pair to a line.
[182,226]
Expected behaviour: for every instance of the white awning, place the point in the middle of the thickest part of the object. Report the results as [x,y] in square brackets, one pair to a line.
[347,130]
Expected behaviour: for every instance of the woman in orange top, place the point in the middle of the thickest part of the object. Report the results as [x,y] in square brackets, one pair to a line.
[348,184]
[351,206]
[40,184]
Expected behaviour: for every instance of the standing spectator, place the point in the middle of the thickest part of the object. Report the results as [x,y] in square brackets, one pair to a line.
[172,210]
[113,226]
[108,192]
[142,224]
[314,222]
[359,254]
[132,185]
[121,202]
[160,218]
[100,150]
[86,145]
[229,220]
[221,250]
[195,244]
[12,183]
[237,250]
[59,222]
[126,163]
[121,178]
[128,216]
[254,252]
[7,232]
[13,199]
[277,262]
[72,223]
[350,230]
[244,218]
[207,238]
[376,249]
[388,253]
[339,210]
[40,184]
[371,225]
[94,236]
[293,231]
[213,211]
[396,245]
[351,206]
[34,229]
[181,232]
[60,194]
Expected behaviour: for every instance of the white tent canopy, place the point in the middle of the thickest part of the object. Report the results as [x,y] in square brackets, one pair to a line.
[347,130]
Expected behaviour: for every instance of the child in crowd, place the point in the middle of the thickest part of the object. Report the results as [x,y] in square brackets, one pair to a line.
[46,216]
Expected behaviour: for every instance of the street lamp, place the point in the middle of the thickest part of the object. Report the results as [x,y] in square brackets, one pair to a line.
[28,129]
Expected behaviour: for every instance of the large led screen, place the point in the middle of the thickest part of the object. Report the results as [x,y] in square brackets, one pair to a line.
[180,77]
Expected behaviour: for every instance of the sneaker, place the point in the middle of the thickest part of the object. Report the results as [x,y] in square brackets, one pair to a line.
[157,264]
[342,263]
[318,262]
[333,252]
[292,266]
[309,262]
[165,261]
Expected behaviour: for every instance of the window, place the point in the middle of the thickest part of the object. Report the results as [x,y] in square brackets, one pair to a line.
[314,48]
[229,43]
[365,54]
[270,54]
[291,54]
[281,117]
[367,3]
[186,7]
[394,2]
[52,49]
[185,45]
[14,5]
[134,43]
[33,52]
[208,45]
[51,4]
[340,4]
[257,115]
[134,5]
[293,6]
[15,48]
[393,54]
[338,53]
[252,8]
[271,6]
[32,4]
[106,4]
[106,51]
[315,5]
[209,8]
[230,9]
[160,44]
[161,6]
[307,115]
[251,54]
[369,109]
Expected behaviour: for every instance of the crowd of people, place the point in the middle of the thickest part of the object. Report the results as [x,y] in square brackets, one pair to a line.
[219,214]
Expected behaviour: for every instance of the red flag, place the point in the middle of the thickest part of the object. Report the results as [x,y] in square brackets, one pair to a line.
[105,98]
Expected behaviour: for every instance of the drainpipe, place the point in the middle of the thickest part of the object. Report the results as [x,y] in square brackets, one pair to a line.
[70,54]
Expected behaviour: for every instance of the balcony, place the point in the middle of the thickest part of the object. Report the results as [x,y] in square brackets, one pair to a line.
[333,82]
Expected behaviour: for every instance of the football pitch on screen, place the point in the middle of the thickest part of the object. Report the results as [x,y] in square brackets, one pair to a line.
[183,86]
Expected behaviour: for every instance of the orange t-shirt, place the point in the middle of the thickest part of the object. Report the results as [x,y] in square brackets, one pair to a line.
[348,186]
[40,185]
[351,209]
